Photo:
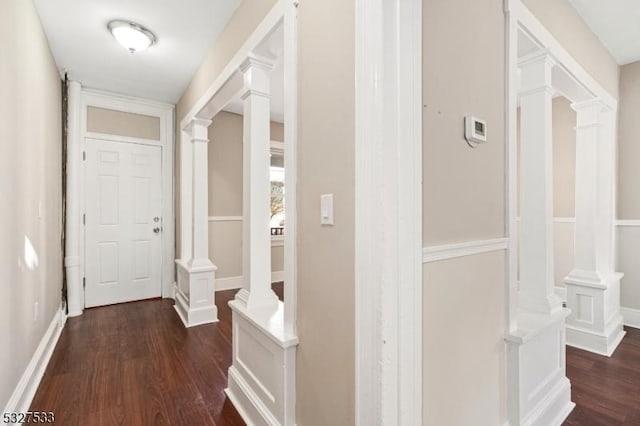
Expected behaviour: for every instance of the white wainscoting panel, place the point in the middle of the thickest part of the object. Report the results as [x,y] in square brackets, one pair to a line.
[449,251]
[23,394]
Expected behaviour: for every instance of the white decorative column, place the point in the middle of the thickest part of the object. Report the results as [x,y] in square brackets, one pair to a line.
[593,288]
[539,391]
[196,274]
[262,375]
[75,299]
[536,187]
[256,247]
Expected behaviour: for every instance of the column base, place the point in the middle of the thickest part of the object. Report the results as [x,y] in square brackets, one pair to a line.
[595,323]
[262,376]
[539,391]
[194,293]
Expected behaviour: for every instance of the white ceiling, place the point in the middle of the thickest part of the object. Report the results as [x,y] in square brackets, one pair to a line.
[82,45]
[617,25]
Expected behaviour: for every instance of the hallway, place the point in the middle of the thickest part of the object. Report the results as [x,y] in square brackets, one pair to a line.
[606,390]
[136,364]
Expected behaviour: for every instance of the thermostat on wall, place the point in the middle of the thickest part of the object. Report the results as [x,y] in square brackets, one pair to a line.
[475,130]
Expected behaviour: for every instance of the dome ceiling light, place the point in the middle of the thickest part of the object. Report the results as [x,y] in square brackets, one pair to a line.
[134,37]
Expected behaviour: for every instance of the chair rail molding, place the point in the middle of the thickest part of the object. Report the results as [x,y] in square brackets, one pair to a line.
[449,251]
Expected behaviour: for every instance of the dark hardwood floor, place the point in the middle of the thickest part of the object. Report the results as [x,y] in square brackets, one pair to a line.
[606,390]
[136,364]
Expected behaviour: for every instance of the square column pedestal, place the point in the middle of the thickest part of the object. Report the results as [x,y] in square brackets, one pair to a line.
[262,377]
[194,293]
[538,389]
[595,323]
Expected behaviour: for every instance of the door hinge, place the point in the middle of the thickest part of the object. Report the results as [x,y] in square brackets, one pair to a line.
[84,218]
[84,155]
[84,282]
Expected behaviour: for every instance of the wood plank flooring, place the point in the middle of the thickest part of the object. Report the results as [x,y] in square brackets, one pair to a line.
[606,390]
[136,364]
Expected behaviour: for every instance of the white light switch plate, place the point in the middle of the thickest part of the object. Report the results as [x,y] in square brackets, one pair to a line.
[326,209]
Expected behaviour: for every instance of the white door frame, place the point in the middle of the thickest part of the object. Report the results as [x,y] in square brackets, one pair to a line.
[388,234]
[76,138]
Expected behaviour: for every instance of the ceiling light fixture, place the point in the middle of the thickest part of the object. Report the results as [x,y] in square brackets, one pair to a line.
[134,37]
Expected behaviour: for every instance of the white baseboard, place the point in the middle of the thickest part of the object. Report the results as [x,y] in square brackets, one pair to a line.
[234,283]
[630,317]
[22,396]
[277,276]
[229,283]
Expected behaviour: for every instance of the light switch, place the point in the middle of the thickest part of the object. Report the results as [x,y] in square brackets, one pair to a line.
[326,209]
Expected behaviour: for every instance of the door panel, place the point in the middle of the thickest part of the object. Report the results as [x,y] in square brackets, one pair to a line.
[123,207]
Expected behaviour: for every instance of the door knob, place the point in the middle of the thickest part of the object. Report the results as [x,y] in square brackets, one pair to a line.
[156,230]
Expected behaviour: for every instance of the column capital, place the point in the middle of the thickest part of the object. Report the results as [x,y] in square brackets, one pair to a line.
[588,113]
[198,129]
[535,73]
[256,70]
[254,61]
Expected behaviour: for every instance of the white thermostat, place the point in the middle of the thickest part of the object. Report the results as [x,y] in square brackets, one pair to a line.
[475,130]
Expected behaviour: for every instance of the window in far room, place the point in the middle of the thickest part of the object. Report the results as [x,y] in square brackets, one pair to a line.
[277,221]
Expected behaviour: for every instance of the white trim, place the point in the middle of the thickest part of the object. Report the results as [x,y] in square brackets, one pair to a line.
[233,283]
[450,251]
[225,218]
[388,240]
[165,112]
[119,138]
[538,32]
[25,390]
[631,317]
[277,241]
[558,219]
[291,171]
[277,276]
[628,223]
[564,220]
[561,292]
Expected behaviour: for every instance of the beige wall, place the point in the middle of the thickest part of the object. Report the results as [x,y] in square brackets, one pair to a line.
[325,376]
[463,186]
[122,123]
[30,174]
[628,178]
[564,158]
[225,165]
[463,346]
[629,143]
[564,23]
[464,355]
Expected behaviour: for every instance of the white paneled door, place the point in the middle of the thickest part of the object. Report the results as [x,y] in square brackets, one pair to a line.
[123,222]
